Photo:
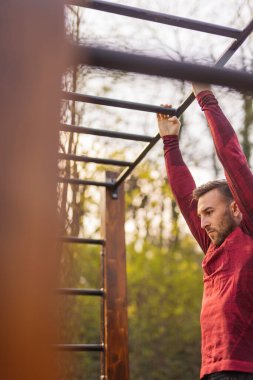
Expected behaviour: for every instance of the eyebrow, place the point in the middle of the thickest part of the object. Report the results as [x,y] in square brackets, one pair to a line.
[205,210]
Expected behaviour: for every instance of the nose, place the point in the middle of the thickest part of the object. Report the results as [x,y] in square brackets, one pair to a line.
[204,222]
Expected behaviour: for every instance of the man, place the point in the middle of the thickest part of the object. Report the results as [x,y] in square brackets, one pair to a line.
[220,217]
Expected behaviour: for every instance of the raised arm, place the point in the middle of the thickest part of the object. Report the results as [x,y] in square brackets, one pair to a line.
[179,177]
[229,151]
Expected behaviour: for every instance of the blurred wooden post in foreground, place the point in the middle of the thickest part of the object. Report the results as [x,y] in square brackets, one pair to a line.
[32,62]
[115,284]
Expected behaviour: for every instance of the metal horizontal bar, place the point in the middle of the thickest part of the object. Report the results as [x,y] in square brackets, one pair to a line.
[75,181]
[80,292]
[162,18]
[104,133]
[79,347]
[74,239]
[117,103]
[116,60]
[64,156]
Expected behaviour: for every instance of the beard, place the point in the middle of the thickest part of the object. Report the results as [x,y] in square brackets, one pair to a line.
[225,227]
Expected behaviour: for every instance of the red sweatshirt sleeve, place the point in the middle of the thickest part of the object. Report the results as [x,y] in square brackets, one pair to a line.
[229,151]
[182,184]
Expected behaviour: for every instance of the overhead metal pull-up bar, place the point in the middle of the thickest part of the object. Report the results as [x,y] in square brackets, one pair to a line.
[137,63]
[115,60]
[155,66]
[103,161]
[117,103]
[76,181]
[161,18]
[105,133]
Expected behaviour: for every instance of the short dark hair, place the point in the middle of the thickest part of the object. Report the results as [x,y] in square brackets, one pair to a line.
[219,184]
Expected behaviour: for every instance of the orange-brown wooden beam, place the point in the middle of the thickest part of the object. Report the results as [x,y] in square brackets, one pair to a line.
[32,62]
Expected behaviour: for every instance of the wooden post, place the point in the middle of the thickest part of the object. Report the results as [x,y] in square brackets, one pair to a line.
[115,285]
[32,63]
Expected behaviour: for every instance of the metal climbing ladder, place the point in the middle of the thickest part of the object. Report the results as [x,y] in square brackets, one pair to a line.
[114,325]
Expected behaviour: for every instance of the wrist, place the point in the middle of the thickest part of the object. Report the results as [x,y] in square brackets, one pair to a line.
[169,133]
[200,87]
[169,138]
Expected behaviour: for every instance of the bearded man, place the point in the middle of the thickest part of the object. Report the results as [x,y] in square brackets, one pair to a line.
[220,217]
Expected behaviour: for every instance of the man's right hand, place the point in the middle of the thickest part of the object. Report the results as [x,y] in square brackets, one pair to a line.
[168,125]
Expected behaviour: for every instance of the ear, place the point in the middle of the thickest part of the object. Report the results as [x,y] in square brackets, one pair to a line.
[235,209]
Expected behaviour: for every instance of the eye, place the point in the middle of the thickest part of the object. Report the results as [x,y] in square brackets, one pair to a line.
[209,212]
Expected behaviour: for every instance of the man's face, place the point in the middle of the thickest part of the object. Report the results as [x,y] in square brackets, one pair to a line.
[216,215]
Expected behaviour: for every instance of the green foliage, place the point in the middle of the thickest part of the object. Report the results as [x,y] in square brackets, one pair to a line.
[164,301]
